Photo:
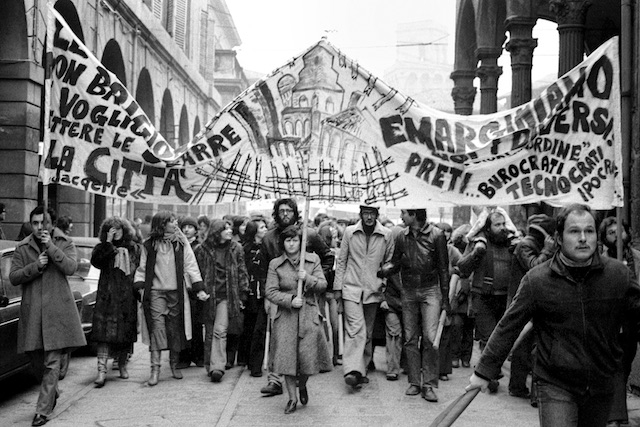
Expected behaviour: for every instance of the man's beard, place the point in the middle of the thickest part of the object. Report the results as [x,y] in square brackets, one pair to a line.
[500,238]
[282,223]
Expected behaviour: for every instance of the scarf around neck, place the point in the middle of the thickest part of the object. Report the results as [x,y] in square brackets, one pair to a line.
[122,261]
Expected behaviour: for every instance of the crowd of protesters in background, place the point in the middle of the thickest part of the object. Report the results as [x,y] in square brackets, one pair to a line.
[210,289]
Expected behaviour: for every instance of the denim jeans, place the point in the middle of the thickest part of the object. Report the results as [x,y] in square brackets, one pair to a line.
[215,342]
[559,407]
[488,310]
[420,314]
[49,385]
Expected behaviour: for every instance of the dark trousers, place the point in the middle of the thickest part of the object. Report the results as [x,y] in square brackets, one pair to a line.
[462,337]
[521,363]
[195,352]
[488,310]
[444,351]
[256,353]
[244,342]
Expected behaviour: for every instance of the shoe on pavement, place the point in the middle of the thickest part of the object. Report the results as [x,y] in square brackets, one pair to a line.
[444,377]
[455,364]
[392,377]
[413,390]
[363,380]
[39,420]
[466,364]
[271,389]
[428,394]
[352,378]
[216,376]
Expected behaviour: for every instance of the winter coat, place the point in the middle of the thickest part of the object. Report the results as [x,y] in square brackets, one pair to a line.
[297,335]
[576,324]
[236,281]
[187,274]
[359,262]
[115,314]
[49,318]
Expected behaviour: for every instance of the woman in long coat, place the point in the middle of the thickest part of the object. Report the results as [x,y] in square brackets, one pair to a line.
[115,314]
[297,336]
[226,293]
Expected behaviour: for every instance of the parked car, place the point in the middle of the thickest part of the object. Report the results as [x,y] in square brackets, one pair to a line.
[85,280]
[84,285]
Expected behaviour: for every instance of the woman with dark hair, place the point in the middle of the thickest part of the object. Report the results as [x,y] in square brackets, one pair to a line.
[298,341]
[251,346]
[167,265]
[225,284]
[65,223]
[115,313]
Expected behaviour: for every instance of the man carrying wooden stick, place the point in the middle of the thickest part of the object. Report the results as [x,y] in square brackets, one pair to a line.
[578,301]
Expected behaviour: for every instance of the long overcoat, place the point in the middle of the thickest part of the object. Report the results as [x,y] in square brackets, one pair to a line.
[115,315]
[49,318]
[297,337]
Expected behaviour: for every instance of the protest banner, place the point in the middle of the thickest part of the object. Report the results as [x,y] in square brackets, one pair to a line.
[359,139]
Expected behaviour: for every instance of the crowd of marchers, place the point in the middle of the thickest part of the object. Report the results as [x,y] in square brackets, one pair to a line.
[293,298]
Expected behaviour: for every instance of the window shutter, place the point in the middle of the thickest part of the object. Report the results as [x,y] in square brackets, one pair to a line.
[181,23]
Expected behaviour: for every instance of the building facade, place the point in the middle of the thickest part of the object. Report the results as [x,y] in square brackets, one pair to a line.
[166,52]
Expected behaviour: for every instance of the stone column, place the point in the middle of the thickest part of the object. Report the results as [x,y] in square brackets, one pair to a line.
[570,15]
[489,72]
[521,46]
[463,92]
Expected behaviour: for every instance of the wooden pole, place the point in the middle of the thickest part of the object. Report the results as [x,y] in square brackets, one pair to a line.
[46,133]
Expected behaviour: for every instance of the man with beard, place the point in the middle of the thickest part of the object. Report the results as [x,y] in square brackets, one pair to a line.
[489,256]
[285,213]
[365,248]
[578,301]
[49,321]
[629,339]
[422,258]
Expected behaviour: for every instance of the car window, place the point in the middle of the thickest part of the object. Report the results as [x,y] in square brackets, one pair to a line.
[83,255]
[9,290]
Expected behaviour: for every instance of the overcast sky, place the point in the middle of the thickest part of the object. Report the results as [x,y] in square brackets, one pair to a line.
[273,31]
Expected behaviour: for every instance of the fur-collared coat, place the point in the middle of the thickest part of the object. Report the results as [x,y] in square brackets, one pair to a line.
[49,318]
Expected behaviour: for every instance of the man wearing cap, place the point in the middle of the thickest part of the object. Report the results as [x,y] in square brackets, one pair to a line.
[365,248]
[421,256]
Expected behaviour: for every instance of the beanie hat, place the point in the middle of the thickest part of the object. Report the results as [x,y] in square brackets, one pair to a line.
[542,221]
[189,221]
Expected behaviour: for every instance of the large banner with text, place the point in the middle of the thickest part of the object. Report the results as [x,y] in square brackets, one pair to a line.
[322,126]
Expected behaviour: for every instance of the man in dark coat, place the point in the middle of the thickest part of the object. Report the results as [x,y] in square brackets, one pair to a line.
[578,301]
[285,213]
[49,319]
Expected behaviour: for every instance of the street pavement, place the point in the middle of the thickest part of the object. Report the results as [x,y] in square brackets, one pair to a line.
[236,401]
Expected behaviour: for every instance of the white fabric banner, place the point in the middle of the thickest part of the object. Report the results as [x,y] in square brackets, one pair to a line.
[360,140]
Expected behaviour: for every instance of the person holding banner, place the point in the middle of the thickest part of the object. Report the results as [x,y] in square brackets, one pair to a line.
[578,301]
[49,322]
[225,285]
[116,312]
[285,213]
[422,258]
[167,266]
[298,341]
[365,248]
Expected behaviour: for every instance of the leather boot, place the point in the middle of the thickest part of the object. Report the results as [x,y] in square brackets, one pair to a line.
[155,368]
[173,361]
[102,372]
[122,366]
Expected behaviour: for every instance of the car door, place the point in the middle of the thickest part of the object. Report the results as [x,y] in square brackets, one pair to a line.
[10,360]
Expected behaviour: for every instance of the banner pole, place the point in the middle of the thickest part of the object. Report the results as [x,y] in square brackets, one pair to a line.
[303,242]
[46,108]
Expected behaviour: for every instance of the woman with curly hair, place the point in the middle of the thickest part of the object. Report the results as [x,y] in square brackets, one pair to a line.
[115,314]
[167,265]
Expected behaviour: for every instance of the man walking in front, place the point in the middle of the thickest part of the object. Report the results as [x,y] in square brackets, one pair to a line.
[49,320]
[421,256]
[578,301]
[365,248]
